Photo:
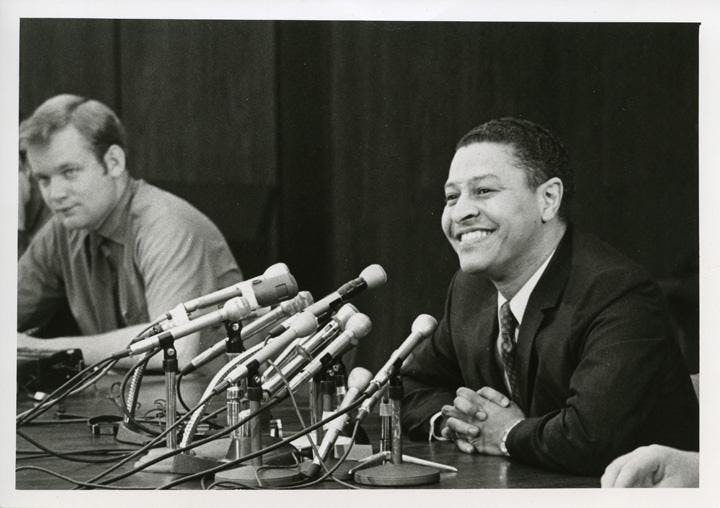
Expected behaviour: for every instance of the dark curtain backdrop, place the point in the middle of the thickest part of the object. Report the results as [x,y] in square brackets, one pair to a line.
[326,144]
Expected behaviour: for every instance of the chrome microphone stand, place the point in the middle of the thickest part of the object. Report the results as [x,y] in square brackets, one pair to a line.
[395,469]
[256,474]
[179,463]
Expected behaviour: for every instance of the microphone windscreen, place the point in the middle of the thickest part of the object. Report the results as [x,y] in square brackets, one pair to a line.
[236,309]
[359,378]
[345,312]
[276,269]
[374,276]
[304,324]
[424,324]
[304,299]
[359,324]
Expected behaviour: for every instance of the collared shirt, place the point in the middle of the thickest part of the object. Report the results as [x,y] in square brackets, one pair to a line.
[159,251]
[518,304]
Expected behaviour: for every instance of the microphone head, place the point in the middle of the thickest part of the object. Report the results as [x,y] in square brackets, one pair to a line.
[275,289]
[359,378]
[304,324]
[276,269]
[236,308]
[344,313]
[297,304]
[424,325]
[359,324]
[305,299]
[374,276]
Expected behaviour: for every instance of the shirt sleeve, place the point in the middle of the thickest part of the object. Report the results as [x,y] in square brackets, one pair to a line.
[434,433]
[179,260]
[40,288]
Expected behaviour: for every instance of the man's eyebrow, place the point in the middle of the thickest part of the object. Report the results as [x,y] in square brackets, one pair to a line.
[57,169]
[66,165]
[473,180]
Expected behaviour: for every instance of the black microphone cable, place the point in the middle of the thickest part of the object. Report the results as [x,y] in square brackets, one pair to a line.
[92,483]
[70,456]
[134,381]
[328,474]
[39,454]
[178,381]
[61,392]
[171,453]
[57,395]
[316,452]
[147,446]
[272,447]
[182,449]
[75,482]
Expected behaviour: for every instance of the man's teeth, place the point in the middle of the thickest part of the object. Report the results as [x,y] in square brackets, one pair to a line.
[474,236]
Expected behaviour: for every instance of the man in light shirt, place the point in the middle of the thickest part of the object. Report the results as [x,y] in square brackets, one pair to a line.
[117,250]
[554,349]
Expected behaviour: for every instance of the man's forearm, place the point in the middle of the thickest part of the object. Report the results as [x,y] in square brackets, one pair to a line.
[100,346]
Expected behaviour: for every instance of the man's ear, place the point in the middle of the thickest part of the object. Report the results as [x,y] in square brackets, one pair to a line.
[114,160]
[550,195]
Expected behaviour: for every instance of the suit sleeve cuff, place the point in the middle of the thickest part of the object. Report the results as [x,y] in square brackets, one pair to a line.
[434,434]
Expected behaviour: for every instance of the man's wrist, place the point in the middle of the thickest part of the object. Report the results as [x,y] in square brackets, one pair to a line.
[506,433]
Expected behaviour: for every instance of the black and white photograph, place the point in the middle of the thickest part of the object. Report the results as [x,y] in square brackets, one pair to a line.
[391,252]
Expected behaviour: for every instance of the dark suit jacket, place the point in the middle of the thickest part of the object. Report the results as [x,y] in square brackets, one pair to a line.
[600,372]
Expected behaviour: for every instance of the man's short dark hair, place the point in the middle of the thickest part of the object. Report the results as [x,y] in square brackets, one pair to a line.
[97,123]
[540,152]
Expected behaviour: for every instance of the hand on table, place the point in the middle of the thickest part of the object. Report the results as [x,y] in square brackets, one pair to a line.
[477,420]
[653,466]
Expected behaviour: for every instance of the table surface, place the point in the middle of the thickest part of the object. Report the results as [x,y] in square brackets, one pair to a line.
[474,471]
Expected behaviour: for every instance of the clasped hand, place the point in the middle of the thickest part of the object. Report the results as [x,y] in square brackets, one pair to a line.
[477,420]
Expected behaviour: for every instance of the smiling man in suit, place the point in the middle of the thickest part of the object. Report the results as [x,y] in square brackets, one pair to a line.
[554,349]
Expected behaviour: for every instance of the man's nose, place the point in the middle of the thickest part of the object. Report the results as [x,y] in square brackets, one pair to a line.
[56,189]
[465,208]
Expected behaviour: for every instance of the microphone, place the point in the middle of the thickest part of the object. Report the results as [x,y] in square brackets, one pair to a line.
[304,348]
[423,326]
[305,324]
[369,403]
[284,309]
[275,285]
[357,381]
[371,277]
[358,326]
[297,304]
[234,310]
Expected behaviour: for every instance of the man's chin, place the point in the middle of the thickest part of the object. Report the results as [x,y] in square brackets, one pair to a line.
[473,265]
[73,223]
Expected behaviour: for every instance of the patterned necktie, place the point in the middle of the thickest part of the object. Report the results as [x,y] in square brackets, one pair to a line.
[508,324]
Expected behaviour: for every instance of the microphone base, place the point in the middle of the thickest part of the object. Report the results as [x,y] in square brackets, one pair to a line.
[286,455]
[126,434]
[182,463]
[312,471]
[397,475]
[268,476]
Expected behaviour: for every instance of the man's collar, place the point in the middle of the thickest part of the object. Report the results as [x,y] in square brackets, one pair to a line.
[114,227]
[518,303]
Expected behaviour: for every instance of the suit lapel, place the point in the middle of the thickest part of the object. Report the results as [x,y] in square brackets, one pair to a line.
[544,297]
